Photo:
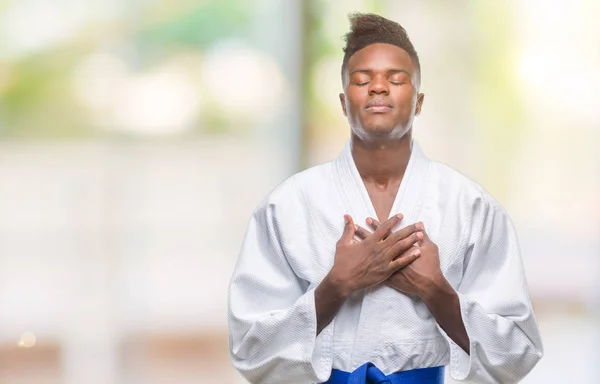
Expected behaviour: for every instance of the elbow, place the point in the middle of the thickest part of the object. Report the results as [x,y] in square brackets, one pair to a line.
[536,356]
[246,362]
[275,369]
[528,358]
[248,355]
[522,366]
[530,361]
[538,352]
[244,369]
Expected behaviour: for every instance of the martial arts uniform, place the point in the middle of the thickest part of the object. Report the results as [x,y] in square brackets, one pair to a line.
[289,247]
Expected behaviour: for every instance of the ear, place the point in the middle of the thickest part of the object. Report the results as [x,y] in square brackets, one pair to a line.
[420,98]
[343,102]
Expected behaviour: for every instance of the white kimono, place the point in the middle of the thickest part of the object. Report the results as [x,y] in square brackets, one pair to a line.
[289,248]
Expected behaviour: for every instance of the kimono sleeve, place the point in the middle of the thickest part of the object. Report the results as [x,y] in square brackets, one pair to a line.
[505,342]
[271,313]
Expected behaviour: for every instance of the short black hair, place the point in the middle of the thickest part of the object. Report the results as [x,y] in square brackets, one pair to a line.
[368,28]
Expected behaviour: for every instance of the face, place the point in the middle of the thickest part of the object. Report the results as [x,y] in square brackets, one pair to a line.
[381,95]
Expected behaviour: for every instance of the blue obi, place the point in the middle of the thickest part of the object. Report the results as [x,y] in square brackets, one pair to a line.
[368,373]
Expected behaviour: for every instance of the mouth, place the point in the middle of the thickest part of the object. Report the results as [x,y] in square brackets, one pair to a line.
[378,106]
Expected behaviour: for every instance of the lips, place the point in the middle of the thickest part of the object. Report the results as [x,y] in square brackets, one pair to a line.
[378,105]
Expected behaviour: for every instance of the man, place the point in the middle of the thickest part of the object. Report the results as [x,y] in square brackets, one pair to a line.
[432,278]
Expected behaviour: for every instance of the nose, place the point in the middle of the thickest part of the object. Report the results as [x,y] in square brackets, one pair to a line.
[379,85]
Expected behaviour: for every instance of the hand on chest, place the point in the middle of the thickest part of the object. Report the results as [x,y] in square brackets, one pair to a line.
[312,255]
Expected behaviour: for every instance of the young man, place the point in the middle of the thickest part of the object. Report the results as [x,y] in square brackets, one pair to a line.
[435,280]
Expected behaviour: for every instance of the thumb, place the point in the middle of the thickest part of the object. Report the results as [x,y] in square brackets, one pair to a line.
[349,230]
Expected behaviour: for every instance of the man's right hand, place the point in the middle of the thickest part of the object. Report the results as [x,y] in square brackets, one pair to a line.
[359,265]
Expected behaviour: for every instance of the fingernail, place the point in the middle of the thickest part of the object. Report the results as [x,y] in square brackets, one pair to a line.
[417,253]
[369,220]
[400,216]
[346,219]
[419,235]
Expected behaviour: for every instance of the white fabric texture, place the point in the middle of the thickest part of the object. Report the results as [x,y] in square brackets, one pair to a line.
[289,248]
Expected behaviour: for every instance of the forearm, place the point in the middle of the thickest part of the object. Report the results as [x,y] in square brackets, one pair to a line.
[443,303]
[330,294]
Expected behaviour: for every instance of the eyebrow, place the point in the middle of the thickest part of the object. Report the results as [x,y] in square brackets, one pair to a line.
[389,71]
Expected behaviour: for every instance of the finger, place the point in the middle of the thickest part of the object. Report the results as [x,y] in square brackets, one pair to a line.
[404,245]
[361,233]
[349,230]
[377,224]
[386,228]
[405,259]
[426,238]
[374,224]
[402,234]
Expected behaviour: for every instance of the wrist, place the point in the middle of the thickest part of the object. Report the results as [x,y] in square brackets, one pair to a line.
[337,285]
[437,290]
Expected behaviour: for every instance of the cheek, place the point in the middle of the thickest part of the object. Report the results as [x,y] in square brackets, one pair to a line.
[354,101]
[406,109]
[406,101]
[354,110]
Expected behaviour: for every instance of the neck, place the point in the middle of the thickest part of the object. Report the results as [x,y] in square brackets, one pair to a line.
[381,161]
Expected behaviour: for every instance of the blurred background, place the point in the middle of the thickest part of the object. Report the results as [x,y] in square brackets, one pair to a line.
[136,138]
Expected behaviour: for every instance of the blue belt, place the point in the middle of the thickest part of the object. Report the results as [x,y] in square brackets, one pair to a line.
[368,373]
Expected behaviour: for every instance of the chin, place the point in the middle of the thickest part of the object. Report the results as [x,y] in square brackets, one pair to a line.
[366,130]
[380,130]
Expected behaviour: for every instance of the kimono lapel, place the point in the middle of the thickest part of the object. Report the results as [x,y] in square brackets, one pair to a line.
[353,190]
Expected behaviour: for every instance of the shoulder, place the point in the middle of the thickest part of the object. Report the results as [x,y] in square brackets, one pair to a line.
[483,219]
[291,193]
[463,190]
